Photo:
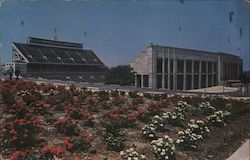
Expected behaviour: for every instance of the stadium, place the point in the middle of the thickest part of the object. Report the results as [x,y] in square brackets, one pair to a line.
[51,59]
[173,68]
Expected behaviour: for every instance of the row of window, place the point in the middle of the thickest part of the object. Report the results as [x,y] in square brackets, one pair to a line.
[210,66]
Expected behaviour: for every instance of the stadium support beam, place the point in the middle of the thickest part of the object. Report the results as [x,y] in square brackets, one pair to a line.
[19,53]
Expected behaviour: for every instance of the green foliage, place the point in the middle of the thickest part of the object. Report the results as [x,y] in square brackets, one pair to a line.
[121,75]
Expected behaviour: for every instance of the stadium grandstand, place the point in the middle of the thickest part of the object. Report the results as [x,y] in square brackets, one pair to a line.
[50,59]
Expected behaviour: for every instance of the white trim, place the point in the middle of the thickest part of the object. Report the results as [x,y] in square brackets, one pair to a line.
[20,53]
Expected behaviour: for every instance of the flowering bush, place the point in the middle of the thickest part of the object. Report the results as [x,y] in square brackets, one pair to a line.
[31,96]
[50,151]
[158,122]
[142,114]
[21,133]
[188,140]
[131,154]
[206,108]
[17,155]
[86,117]
[174,118]
[148,131]
[182,107]
[19,109]
[78,143]
[137,100]
[67,126]
[219,118]
[153,108]
[39,107]
[164,148]
[114,141]
[198,127]
[114,121]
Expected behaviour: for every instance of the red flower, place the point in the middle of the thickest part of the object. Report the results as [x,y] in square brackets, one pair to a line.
[56,151]
[45,149]
[88,138]
[74,122]
[1,135]
[13,131]
[69,146]
[16,155]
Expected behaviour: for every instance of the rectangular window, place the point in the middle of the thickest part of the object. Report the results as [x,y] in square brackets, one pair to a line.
[215,67]
[171,65]
[209,80]
[145,80]
[180,82]
[188,82]
[166,81]
[159,81]
[166,65]
[180,66]
[159,65]
[209,67]
[189,66]
[203,81]
[196,66]
[196,81]
[138,80]
[204,67]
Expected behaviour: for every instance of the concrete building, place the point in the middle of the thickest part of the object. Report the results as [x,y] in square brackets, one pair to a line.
[184,69]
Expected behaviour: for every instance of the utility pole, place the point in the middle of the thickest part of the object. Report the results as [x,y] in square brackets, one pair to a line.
[180,25]
[22,24]
[85,39]
[55,34]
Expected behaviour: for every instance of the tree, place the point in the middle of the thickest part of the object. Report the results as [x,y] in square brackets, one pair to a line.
[121,75]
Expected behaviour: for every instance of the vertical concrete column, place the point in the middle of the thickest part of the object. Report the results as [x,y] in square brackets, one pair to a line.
[206,74]
[154,68]
[192,75]
[163,69]
[219,70]
[212,73]
[200,72]
[174,71]
[184,74]
[169,74]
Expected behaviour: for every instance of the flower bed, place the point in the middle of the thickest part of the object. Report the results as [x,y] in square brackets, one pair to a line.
[42,114]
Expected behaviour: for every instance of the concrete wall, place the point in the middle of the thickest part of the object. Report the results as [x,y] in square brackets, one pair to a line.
[185,69]
[142,65]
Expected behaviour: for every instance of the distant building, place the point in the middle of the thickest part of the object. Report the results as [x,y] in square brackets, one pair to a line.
[184,69]
[50,59]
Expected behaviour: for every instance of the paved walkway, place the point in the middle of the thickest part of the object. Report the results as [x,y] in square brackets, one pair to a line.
[243,153]
[216,89]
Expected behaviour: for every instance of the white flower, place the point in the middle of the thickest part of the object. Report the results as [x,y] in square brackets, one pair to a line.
[143,156]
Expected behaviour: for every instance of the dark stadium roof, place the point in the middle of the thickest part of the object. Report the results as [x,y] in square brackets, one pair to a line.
[54,43]
[57,52]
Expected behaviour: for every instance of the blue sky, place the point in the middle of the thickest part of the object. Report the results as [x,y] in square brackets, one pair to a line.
[119,30]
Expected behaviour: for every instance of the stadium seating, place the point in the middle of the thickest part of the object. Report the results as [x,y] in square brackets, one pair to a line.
[50,59]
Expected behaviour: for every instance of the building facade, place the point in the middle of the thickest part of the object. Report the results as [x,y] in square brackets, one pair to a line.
[184,69]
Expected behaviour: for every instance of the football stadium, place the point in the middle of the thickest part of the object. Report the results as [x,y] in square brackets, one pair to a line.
[51,59]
